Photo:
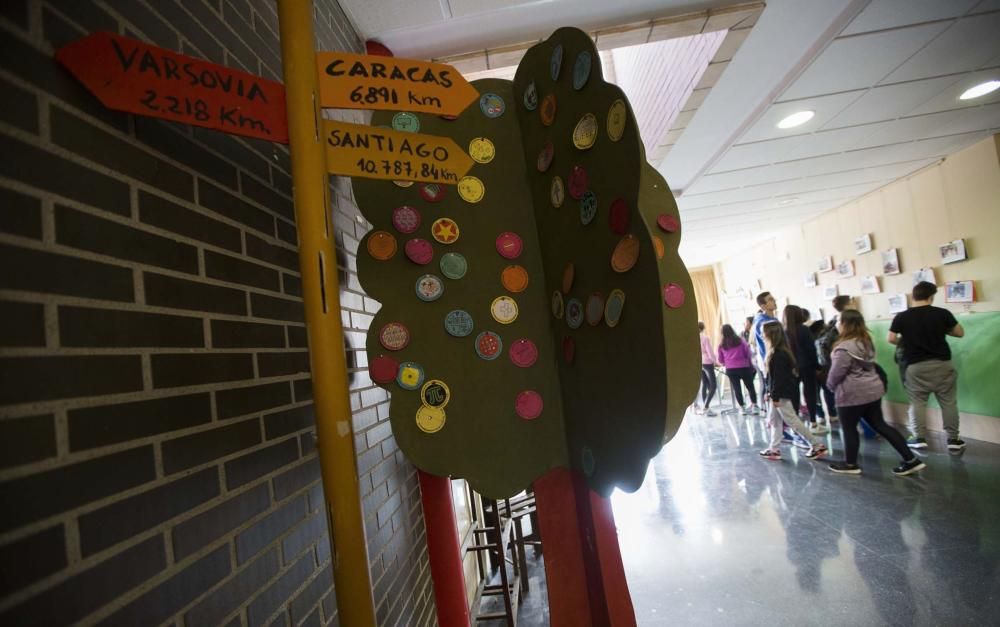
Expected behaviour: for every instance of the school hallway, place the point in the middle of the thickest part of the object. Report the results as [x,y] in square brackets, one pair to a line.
[717,535]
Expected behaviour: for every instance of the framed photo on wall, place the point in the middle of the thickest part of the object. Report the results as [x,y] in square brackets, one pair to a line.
[845,269]
[897,303]
[953,251]
[863,244]
[830,292]
[810,279]
[826,264]
[890,262]
[869,285]
[924,274]
[960,292]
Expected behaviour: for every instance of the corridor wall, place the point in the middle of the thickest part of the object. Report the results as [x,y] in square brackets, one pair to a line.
[956,198]
[157,454]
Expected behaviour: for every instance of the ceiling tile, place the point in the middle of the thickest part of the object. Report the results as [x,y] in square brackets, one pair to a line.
[883,14]
[860,61]
[826,108]
[890,102]
[461,8]
[680,26]
[734,39]
[724,19]
[948,98]
[968,45]
[627,36]
[375,18]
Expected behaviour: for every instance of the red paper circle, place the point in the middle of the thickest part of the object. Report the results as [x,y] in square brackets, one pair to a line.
[509,245]
[618,217]
[673,295]
[667,223]
[523,353]
[577,182]
[528,404]
[383,370]
[419,251]
[569,349]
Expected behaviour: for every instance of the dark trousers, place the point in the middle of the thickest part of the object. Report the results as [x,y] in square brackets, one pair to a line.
[851,415]
[808,379]
[708,384]
[831,405]
[746,376]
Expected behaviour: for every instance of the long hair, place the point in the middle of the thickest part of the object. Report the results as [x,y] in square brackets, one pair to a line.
[729,337]
[774,335]
[855,329]
[792,319]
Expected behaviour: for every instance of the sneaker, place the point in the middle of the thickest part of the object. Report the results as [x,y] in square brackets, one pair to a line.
[845,468]
[787,437]
[917,443]
[956,444]
[772,454]
[801,442]
[755,410]
[744,411]
[709,412]
[816,452]
[908,467]
[818,429]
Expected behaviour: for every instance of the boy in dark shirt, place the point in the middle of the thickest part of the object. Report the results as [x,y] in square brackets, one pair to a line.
[927,356]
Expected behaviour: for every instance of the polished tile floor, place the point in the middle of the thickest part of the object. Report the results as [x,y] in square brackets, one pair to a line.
[718,536]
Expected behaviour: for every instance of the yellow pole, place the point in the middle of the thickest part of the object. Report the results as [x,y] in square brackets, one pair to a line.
[318,264]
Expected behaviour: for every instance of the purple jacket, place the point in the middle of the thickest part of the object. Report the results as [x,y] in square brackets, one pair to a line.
[853,377]
[736,357]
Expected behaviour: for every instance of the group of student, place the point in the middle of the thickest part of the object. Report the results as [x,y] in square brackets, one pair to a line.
[837,360]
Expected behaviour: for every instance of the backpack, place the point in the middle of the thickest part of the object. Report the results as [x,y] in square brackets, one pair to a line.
[824,344]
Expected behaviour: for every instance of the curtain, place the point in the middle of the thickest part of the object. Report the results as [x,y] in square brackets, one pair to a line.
[706,293]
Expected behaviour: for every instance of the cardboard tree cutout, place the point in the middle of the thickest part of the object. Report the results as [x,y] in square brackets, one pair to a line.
[536,314]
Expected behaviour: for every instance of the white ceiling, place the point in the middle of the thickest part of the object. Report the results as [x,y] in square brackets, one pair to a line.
[882,76]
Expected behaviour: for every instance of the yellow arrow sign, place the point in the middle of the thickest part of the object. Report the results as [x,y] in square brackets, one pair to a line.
[359,81]
[381,153]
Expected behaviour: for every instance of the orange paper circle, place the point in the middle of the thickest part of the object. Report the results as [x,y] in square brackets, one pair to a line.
[514,278]
[626,253]
[658,247]
[382,245]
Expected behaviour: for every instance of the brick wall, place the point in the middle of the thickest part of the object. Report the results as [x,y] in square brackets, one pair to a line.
[157,453]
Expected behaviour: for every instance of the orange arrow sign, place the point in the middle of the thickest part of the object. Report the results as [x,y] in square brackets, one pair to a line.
[358,81]
[379,153]
[132,76]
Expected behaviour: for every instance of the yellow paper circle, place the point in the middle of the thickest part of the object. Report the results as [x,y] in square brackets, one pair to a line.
[617,116]
[504,309]
[557,193]
[482,150]
[471,189]
[585,133]
[430,419]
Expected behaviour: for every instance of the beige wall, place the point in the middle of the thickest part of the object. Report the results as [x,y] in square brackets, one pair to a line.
[957,198]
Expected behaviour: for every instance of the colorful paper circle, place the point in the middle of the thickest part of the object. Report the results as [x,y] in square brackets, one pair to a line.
[406,219]
[581,70]
[488,345]
[406,122]
[673,295]
[458,323]
[509,245]
[588,207]
[444,231]
[569,273]
[471,189]
[658,247]
[514,279]
[453,265]
[595,309]
[504,309]
[617,116]
[618,217]
[429,287]
[482,150]
[430,419]
[577,182]
[626,254]
[557,305]
[667,223]
[613,307]
[531,97]
[432,192]
[529,405]
[419,251]
[585,132]
[574,313]
[402,183]
[555,62]
[523,353]
[547,112]
[545,157]
[435,393]
[410,376]
[492,105]
[383,369]
[394,336]
[381,245]
[557,191]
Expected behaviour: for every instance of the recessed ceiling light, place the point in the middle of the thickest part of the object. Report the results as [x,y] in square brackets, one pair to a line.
[980,90]
[796,119]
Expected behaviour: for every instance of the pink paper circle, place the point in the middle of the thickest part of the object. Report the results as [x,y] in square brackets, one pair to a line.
[667,223]
[419,251]
[523,353]
[577,182]
[406,219]
[509,245]
[528,404]
[673,295]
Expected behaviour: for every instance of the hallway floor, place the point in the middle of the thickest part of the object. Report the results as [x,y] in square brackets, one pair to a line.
[717,535]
